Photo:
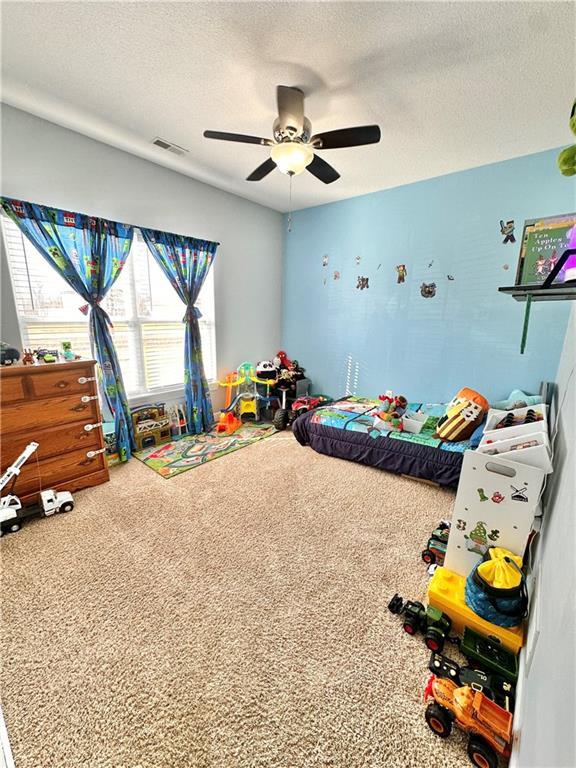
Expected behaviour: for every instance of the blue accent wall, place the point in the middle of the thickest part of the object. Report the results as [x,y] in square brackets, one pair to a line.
[388,336]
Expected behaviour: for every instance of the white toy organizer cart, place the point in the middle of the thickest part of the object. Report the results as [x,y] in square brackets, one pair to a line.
[498,493]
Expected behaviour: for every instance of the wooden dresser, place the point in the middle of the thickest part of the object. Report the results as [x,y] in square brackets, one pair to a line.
[56,405]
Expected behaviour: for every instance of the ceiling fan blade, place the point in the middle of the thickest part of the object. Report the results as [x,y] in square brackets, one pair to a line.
[262,170]
[240,137]
[347,137]
[290,108]
[323,170]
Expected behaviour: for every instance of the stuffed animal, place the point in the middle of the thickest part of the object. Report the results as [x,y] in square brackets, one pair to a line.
[567,158]
[463,414]
[281,360]
[392,404]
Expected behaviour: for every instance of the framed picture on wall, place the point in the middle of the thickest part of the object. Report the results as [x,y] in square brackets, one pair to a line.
[543,242]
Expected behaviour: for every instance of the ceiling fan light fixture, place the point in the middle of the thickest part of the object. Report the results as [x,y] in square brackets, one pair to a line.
[292,157]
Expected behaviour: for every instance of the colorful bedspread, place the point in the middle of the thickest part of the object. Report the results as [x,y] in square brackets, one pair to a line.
[358,414]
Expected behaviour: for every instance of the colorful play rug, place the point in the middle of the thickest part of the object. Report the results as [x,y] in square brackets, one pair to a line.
[174,458]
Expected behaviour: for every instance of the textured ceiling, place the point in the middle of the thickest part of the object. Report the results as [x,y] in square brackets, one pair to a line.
[452,85]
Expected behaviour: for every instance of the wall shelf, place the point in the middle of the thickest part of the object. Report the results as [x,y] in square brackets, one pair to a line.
[560,292]
[548,290]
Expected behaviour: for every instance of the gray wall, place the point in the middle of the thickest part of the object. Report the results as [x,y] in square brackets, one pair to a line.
[547,716]
[44,163]
[9,328]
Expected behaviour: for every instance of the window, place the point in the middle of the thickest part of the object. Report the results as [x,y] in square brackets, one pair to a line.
[145,311]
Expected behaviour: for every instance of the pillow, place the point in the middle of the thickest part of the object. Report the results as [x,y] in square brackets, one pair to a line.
[463,414]
[517,399]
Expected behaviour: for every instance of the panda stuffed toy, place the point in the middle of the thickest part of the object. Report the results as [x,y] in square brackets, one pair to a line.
[266,370]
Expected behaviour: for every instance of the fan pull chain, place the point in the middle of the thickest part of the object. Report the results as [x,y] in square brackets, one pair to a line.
[290,205]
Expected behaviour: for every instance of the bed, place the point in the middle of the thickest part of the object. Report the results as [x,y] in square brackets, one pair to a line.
[346,429]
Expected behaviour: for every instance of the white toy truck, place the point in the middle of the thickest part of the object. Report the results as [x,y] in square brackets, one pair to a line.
[12,514]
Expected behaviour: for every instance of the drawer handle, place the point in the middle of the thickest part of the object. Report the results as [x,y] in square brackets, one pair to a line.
[86,379]
[87,398]
[79,407]
[63,384]
[90,427]
[91,454]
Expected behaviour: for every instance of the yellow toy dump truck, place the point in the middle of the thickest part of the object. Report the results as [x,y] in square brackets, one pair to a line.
[489,726]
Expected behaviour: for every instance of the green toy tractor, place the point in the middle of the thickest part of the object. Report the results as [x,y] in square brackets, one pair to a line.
[432,623]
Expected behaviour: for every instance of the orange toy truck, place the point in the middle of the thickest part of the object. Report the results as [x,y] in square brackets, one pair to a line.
[489,726]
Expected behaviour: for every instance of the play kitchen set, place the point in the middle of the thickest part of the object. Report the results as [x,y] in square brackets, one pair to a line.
[477,596]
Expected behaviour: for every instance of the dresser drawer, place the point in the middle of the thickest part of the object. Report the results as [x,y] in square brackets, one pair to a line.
[63,382]
[50,472]
[51,442]
[12,388]
[34,415]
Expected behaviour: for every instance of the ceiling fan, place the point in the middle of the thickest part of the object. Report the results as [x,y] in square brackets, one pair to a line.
[292,150]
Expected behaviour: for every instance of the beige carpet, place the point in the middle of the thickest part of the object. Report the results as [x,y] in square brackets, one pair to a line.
[231,617]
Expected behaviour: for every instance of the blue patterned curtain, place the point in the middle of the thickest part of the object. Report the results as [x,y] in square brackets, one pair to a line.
[89,254]
[186,261]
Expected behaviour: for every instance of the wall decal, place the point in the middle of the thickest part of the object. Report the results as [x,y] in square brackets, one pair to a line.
[497,497]
[325,260]
[428,290]
[358,260]
[362,283]
[519,494]
[478,540]
[461,524]
[430,263]
[507,229]
[401,270]
[450,277]
[482,495]
[336,275]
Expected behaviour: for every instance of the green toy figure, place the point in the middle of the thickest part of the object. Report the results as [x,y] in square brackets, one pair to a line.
[567,158]
[478,540]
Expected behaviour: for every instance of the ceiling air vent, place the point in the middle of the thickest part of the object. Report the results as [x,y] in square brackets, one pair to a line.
[169,147]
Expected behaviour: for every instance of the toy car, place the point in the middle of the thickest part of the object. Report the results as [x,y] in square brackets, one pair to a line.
[489,726]
[285,416]
[435,551]
[8,354]
[432,623]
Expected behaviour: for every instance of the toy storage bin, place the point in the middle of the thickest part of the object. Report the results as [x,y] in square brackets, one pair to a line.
[414,422]
[518,430]
[538,455]
[496,502]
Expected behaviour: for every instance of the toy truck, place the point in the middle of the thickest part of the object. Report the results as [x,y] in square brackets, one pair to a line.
[13,514]
[432,623]
[490,654]
[491,685]
[435,551]
[489,726]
